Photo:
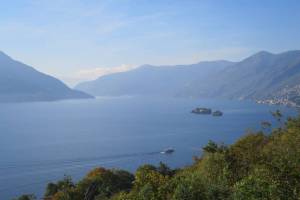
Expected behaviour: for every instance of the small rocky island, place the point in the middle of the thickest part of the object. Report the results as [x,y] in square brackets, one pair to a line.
[217,113]
[207,111]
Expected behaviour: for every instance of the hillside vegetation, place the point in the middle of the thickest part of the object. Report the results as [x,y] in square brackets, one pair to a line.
[263,166]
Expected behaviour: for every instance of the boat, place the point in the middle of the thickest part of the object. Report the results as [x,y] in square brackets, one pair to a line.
[205,111]
[167,151]
[217,113]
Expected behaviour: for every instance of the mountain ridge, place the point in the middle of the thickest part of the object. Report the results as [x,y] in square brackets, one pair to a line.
[20,82]
[142,79]
[263,75]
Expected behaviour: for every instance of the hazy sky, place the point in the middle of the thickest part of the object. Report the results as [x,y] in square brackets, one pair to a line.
[80,39]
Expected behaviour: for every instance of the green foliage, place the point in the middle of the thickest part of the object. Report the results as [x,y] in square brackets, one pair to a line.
[61,189]
[188,186]
[102,183]
[257,167]
[165,170]
[213,147]
[149,178]
[213,169]
[51,189]
[266,126]
[282,159]
[257,186]
[26,197]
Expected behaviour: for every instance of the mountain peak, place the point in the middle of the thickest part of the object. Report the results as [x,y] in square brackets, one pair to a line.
[259,57]
[263,56]
[263,53]
[268,54]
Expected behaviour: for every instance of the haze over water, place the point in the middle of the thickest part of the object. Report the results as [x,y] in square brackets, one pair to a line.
[40,142]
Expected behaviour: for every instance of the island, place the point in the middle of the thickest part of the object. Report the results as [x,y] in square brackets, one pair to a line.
[207,111]
[217,113]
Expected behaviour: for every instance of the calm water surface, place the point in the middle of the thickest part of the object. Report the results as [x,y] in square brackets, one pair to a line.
[40,142]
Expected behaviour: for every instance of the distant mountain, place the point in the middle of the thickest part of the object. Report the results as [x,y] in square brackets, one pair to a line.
[20,82]
[153,80]
[261,76]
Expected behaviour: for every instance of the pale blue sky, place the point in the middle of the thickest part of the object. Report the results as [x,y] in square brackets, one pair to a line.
[72,39]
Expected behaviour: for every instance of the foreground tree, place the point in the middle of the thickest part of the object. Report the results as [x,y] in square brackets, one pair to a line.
[26,197]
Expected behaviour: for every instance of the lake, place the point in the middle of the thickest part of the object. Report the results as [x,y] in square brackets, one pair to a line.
[42,142]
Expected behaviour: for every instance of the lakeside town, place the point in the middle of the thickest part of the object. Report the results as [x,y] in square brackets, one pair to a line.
[275,101]
[288,96]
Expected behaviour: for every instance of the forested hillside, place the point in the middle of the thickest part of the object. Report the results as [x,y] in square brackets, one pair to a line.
[261,165]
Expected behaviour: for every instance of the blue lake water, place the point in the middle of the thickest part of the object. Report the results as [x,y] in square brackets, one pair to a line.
[40,142]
